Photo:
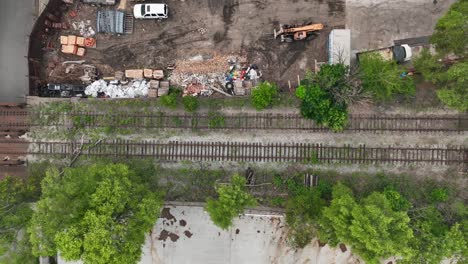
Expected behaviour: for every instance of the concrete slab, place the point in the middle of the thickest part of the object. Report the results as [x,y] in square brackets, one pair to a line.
[16,20]
[186,235]
[377,23]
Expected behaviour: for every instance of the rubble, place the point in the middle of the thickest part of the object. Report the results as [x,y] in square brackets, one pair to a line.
[200,75]
[101,88]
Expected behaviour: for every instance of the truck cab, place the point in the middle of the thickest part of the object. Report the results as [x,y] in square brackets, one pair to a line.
[402,53]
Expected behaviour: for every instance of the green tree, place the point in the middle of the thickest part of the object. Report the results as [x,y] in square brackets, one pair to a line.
[17,198]
[264,95]
[455,92]
[336,218]
[433,239]
[382,78]
[378,231]
[232,200]
[190,103]
[97,213]
[15,214]
[318,105]
[303,209]
[429,66]
[451,30]
[337,80]
[372,228]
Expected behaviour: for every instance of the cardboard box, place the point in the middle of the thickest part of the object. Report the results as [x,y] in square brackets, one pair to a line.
[71,40]
[153,84]
[152,93]
[80,41]
[81,52]
[63,40]
[163,91]
[148,73]
[158,74]
[134,74]
[164,84]
[69,49]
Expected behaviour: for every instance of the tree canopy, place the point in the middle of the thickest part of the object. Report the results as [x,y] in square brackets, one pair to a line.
[232,200]
[383,79]
[99,213]
[451,31]
[325,96]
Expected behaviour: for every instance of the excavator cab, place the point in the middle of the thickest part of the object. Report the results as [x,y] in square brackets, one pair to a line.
[290,33]
[300,35]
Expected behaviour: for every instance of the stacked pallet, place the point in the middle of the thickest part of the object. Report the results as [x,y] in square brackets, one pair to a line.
[75,45]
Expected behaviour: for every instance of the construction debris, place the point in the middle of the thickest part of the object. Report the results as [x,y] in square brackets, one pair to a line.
[84,27]
[101,88]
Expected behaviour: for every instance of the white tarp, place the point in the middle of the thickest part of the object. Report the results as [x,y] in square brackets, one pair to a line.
[132,90]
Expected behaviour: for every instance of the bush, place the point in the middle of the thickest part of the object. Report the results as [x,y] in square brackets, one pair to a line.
[451,32]
[455,91]
[232,200]
[264,95]
[317,105]
[215,120]
[190,103]
[383,78]
[169,101]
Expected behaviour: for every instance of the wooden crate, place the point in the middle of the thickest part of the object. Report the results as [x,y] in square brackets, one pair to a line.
[148,73]
[71,40]
[81,52]
[152,93]
[63,40]
[154,84]
[80,41]
[158,74]
[69,49]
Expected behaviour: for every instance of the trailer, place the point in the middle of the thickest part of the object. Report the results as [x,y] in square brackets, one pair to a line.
[399,53]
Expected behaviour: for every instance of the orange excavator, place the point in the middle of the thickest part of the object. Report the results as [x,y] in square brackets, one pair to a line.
[290,33]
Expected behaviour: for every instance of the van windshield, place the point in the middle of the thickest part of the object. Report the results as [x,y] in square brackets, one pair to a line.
[142,9]
[165,9]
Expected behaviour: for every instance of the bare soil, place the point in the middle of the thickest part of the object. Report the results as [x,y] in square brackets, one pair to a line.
[242,27]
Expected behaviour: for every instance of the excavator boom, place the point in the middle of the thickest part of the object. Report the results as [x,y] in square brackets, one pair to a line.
[308,28]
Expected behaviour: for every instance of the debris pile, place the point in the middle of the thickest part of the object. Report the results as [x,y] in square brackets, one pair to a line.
[84,27]
[115,89]
[228,75]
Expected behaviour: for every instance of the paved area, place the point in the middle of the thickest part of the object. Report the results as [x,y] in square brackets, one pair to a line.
[186,235]
[377,23]
[16,20]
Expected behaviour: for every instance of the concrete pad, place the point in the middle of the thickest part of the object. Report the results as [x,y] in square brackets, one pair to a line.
[16,20]
[186,235]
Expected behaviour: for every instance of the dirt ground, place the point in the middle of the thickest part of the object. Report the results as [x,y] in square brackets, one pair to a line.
[241,27]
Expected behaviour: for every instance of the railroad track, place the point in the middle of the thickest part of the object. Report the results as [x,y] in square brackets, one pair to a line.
[263,121]
[252,152]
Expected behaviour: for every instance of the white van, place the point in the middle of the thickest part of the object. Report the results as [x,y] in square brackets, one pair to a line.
[150,11]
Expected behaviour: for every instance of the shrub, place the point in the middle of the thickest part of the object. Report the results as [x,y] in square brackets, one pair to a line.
[232,200]
[169,101]
[190,103]
[215,120]
[264,95]
[317,105]
[383,78]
